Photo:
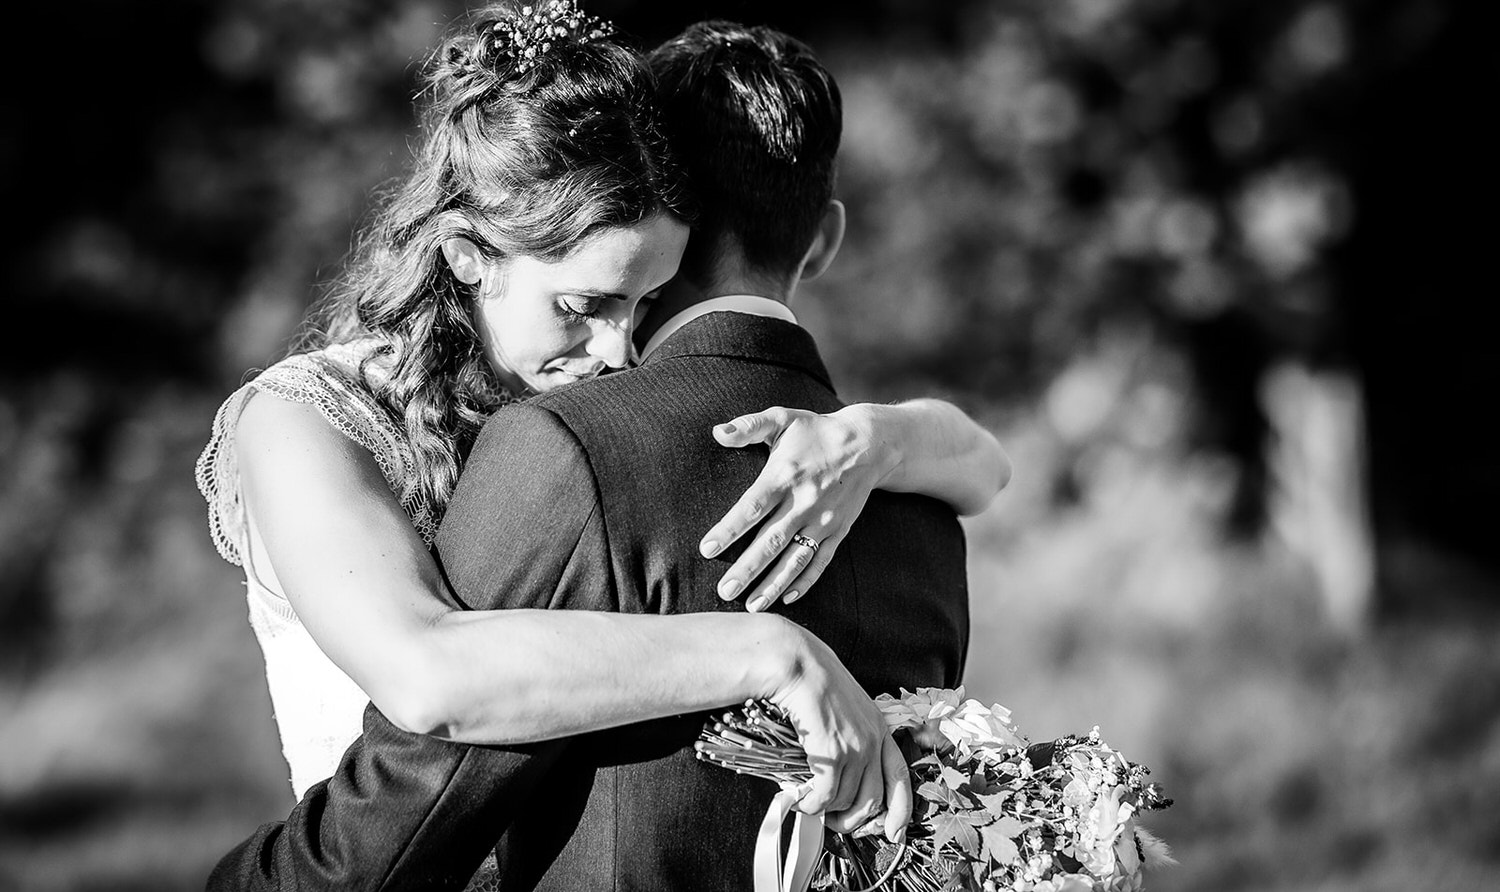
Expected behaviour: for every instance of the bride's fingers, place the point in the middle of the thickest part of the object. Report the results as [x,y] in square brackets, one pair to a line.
[769,543]
[757,427]
[764,495]
[838,795]
[861,793]
[815,567]
[875,826]
[898,799]
[822,788]
[789,566]
[868,799]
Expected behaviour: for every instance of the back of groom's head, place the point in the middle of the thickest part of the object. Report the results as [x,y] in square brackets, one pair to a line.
[756,119]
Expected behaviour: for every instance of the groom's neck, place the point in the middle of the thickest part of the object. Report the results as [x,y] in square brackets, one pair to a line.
[727,274]
[730,273]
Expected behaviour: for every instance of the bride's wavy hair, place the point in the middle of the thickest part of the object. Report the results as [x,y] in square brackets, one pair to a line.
[522,153]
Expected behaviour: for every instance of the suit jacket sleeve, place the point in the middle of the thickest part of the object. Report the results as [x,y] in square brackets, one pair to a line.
[406,810]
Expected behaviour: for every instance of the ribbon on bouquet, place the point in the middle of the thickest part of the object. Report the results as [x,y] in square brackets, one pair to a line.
[794,874]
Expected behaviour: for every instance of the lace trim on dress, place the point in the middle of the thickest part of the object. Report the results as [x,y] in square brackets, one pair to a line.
[329,379]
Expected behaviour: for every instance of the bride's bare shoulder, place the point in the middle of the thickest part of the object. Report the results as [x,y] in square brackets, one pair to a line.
[308,411]
[325,402]
[331,390]
[275,435]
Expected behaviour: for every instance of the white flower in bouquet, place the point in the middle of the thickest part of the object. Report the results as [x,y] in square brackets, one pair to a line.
[1106,820]
[921,712]
[974,727]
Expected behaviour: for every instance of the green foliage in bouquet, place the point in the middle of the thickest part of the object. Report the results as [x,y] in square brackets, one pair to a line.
[992,810]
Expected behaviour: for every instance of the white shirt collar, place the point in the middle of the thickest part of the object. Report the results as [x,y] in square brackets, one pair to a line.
[732,303]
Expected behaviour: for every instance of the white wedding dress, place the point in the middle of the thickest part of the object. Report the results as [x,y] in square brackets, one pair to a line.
[318,708]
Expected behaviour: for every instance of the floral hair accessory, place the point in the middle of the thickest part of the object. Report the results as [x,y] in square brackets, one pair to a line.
[525,38]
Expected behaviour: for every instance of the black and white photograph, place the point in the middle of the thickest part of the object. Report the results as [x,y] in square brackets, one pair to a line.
[885,446]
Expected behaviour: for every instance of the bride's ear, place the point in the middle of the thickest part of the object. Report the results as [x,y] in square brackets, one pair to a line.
[826,243]
[465,259]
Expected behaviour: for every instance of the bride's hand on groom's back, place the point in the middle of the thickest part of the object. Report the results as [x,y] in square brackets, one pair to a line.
[820,473]
[858,772]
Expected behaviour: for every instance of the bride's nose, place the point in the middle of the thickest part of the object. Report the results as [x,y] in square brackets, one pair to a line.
[609,342]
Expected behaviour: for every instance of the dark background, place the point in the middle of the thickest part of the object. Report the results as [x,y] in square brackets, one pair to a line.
[1209,269]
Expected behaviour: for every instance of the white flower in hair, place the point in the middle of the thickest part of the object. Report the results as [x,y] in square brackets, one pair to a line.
[530,35]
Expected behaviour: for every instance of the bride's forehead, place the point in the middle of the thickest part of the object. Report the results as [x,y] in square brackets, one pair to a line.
[621,253]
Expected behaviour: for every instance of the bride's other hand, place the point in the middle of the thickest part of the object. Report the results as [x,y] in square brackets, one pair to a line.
[821,471]
[858,772]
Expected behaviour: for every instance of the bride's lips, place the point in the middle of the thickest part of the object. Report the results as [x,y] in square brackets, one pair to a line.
[580,375]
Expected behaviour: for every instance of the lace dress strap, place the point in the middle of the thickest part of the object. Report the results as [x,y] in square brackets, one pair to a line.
[330,380]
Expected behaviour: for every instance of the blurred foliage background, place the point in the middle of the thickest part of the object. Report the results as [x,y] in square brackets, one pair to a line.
[1208,267]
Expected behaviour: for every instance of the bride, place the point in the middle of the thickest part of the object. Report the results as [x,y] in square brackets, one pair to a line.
[327,474]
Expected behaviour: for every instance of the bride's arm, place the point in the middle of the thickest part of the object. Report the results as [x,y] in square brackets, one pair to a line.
[933,448]
[821,470]
[370,594]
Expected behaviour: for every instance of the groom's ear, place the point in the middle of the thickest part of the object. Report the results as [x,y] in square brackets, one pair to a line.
[465,259]
[826,243]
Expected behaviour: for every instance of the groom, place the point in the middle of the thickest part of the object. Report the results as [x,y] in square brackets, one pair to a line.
[604,488]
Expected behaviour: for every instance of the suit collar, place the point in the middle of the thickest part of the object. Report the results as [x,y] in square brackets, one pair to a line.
[753,304]
[743,336]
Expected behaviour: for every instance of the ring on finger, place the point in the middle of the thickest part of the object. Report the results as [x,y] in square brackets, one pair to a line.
[805,542]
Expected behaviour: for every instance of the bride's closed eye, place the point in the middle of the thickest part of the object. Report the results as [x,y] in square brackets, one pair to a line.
[580,307]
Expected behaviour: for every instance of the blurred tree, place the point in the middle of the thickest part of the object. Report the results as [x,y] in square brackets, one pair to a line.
[1415,319]
[1235,183]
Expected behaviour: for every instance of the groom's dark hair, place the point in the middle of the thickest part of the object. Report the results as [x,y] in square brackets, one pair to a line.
[756,120]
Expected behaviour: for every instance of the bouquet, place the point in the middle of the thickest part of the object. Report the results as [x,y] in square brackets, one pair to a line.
[992,811]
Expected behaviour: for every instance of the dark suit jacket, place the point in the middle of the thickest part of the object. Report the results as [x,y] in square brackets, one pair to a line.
[595,497]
